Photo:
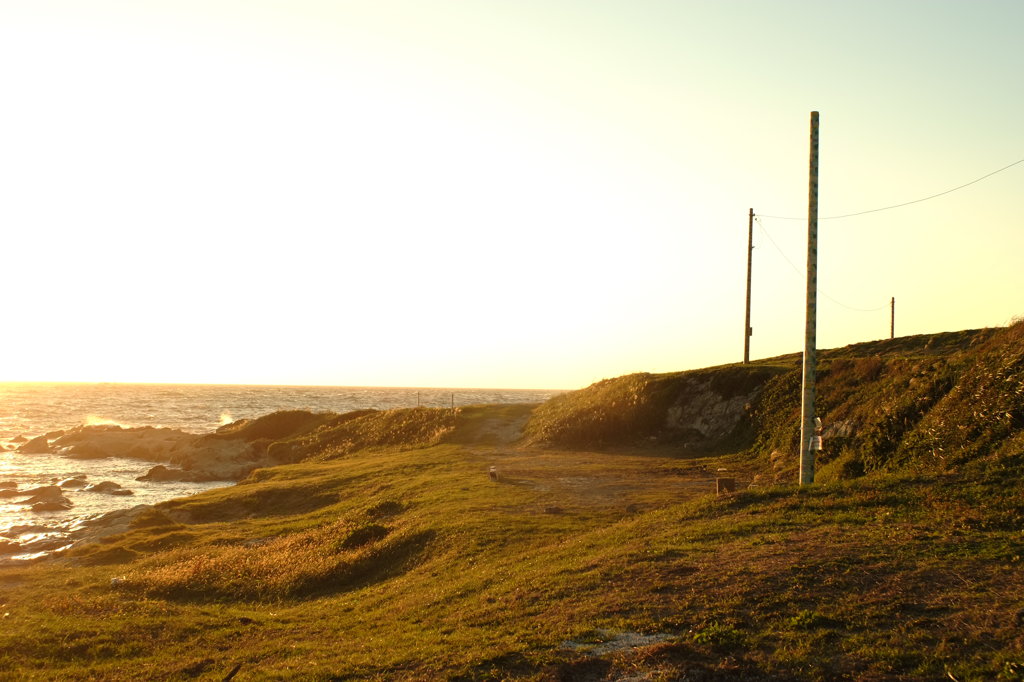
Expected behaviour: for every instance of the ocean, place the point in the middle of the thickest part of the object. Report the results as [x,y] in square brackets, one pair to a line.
[28,410]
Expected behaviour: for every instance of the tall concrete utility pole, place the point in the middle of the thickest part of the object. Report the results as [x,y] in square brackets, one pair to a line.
[750,257]
[808,442]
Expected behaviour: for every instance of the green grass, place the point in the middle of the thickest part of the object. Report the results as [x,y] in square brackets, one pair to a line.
[389,553]
[420,567]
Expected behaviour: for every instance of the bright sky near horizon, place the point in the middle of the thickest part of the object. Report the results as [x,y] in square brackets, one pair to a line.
[540,193]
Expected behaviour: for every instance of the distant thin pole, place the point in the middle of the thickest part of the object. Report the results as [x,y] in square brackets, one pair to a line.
[750,258]
[892,318]
[807,424]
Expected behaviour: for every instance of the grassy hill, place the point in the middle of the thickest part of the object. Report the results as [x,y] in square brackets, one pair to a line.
[382,549]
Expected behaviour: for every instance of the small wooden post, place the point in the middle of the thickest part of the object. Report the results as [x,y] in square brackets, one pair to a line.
[750,258]
[892,318]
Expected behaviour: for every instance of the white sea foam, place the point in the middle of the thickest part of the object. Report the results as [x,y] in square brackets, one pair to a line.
[93,420]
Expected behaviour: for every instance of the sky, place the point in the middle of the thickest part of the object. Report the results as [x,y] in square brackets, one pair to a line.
[529,194]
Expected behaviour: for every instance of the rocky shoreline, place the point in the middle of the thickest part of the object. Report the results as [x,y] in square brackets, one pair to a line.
[228,454]
[191,457]
[29,542]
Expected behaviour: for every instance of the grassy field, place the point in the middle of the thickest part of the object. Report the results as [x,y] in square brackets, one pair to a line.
[386,557]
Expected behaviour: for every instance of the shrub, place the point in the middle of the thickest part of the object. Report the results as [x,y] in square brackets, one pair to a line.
[718,635]
[363,429]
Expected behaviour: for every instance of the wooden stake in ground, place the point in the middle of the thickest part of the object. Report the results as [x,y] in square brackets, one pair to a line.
[750,257]
[892,318]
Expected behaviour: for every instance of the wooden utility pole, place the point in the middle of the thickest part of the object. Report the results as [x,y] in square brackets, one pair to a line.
[892,318]
[750,258]
[808,440]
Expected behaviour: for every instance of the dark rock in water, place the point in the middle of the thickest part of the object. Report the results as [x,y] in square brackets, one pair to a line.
[19,439]
[42,494]
[224,456]
[54,435]
[141,451]
[8,485]
[72,483]
[52,505]
[108,487]
[46,498]
[87,451]
[37,446]
[10,493]
[145,442]
[162,473]
[8,547]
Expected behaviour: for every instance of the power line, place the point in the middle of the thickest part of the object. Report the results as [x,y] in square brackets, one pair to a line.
[757,219]
[853,308]
[798,272]
[905,203]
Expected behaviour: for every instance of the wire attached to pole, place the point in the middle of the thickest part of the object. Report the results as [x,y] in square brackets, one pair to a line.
[797,271]
[905,203]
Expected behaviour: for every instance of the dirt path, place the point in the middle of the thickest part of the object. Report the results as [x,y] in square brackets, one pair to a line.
[605,480]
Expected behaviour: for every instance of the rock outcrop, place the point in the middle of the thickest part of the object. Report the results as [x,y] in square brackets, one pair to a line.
[160,473]
[39,445]
[230,454]
[106,487]
[698,410]
[111,523]
[46,498]
[198,457]
[146,443]
[43,492]
[705,413]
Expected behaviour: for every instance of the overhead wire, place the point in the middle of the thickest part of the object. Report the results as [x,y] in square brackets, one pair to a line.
[767,234]
[905,203]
